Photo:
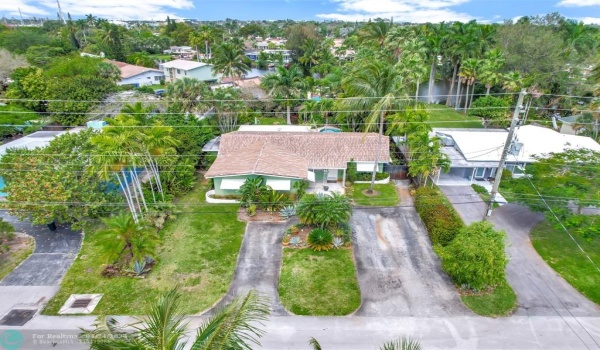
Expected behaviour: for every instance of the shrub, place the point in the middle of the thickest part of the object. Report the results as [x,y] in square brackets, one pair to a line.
[320,239]
[251,210]
[287,212]
[324,211]
[440,218]
[369,176]
[145,89]
[475,258]
[351,172]
[300,187]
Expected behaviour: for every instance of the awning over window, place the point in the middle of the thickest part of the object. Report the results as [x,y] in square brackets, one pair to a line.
[232,184]
[364,167]
[280,185]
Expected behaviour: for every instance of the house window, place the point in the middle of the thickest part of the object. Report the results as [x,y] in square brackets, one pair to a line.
[479,172]
[186,72]
[156,78]
[178,71]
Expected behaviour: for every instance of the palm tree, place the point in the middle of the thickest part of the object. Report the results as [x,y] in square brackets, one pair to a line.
[376,32]
[310,53]
[374,87]
[137,111]
[187,94]
[512,82]
[436,36]
[490,73]
[230,60]
[195,38]
[237,325]
[285,83]
[206,34]
[468,73]
[126,240]
[399,344]
[461,44]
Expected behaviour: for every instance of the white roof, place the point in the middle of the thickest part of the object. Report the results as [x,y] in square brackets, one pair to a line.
[275,128]
[37,139]
[184,64]
[487,145]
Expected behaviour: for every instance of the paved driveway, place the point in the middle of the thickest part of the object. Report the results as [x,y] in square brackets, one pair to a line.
[53,255]
[259,263]
[398,272]
[540,290]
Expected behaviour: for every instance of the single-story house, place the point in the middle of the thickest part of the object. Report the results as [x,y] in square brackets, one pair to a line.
[284,158]
[138,75]
[179,69]
[475,153]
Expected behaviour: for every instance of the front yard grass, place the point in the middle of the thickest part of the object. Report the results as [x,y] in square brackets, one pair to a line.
[198,252]
[558,250]
[319,283]
[501,302]
[441,116]
[388,196]
[19,250]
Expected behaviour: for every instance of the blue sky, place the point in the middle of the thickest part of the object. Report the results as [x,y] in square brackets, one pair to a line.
[401,10]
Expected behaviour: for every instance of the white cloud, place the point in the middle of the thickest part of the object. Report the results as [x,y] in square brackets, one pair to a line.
[416,11]
[110,9]
[578,3]
[589,20]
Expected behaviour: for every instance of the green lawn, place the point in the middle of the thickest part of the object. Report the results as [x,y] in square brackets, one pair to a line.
[441,116]
[501,302]
[319,283]
[14,257]
[271,121]
[198,252]
[388,196]
[560,252]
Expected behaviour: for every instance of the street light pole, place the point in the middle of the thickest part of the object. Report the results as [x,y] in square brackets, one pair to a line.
[509,138]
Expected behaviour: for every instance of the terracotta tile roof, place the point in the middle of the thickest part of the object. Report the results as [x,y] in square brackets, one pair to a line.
[291,154]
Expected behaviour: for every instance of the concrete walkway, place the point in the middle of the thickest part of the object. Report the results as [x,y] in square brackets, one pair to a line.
[259,263]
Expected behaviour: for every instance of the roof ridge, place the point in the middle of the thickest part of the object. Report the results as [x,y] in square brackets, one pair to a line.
[259,156]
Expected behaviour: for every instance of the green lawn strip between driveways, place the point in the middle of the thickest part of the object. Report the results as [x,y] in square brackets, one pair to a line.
[13,258]
[560,252]
[319,283]
[388,195]
[198,252]
[441,116]
[501,302]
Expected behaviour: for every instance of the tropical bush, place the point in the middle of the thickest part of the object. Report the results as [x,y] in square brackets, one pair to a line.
[368,176]
[287,212]
[440,218]
[475,259]
[320,239]
[252,190]
[324,211]
[300,187]
[351,172]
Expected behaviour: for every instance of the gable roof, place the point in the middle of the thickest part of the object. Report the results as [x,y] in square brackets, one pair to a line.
[184,64]
[130,70]
[291,154]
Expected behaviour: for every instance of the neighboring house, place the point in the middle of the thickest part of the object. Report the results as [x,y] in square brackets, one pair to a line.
[567,124]
[179,69]
[475,153]
[34,140]
[284,158]
[138,75]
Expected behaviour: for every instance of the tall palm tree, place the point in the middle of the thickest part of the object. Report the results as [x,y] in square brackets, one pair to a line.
[230,60]
[195,38]
[436,37]
[490,73]
[310,53]
[285,83]
[512,82]
[235,326]
[376,88]
[375,32]
[469,72]
[187,94]
[462,44]
[207,35]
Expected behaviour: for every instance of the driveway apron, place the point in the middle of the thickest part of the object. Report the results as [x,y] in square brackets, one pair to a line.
[259,263]
[398,272]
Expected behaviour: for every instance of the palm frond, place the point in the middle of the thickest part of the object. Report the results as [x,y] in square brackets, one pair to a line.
[402,344]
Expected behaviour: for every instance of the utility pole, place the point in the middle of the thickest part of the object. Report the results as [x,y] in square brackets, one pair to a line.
[20,14]
[509,139]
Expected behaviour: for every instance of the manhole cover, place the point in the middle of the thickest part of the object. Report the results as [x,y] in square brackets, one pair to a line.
[17,317]
[81,303]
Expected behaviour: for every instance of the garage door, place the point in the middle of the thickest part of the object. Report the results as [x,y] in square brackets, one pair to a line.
[232,184]
[280,185]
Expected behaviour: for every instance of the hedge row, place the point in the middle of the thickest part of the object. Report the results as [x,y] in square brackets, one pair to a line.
[440,218]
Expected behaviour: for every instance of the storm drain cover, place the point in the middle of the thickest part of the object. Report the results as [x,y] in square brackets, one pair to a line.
[17,317]
[79,303]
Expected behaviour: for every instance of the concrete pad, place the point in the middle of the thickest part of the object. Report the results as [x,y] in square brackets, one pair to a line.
[40,270]
[12,297]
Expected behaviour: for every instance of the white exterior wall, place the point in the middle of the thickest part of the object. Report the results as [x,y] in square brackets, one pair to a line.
[203,73]
[146,78]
